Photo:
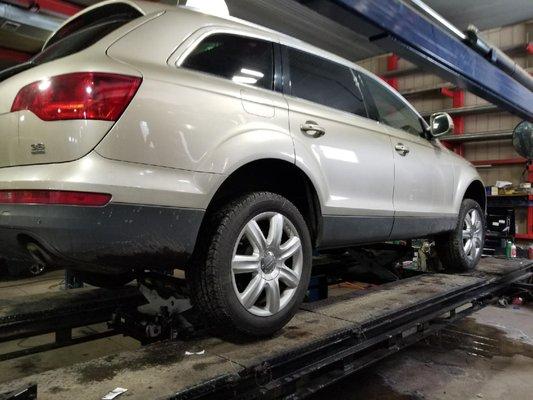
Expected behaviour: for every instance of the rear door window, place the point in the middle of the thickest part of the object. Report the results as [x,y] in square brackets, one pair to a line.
[238,58]
[324,82]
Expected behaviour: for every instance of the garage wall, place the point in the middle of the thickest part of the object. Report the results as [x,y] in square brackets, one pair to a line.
[511,39]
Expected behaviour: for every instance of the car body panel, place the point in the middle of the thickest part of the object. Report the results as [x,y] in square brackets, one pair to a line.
[113,239]
[424,187]
[341,159]
[186,132]
[168,118]
[129,183]
[63,140]
[254,120]
[424,178]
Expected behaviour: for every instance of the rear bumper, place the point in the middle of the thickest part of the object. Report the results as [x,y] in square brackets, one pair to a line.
[113,239]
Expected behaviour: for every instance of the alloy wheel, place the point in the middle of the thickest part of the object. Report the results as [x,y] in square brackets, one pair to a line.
[267,264]
[472,234]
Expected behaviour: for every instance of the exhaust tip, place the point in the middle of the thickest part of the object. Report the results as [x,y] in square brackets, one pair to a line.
[39,255]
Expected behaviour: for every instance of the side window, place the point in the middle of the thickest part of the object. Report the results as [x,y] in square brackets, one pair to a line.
[391,109]
[321,81]
[241,59]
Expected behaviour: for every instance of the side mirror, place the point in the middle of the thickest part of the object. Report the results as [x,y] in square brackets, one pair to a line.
[523,139]
[440,124]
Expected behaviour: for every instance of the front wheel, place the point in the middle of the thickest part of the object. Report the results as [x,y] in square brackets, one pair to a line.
[252,271]
[461,249]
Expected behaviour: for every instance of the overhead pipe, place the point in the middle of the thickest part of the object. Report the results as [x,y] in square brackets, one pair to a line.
[497,57]
[25,17]
[472,39]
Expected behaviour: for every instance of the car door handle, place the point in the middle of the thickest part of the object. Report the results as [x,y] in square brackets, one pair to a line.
[402,149]
[311,128]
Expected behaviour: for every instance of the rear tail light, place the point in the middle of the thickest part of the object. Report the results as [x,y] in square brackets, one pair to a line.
[81,95]
[54,197]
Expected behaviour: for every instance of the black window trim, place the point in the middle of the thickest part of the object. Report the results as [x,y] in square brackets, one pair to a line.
[374,110]
[278,69]
[287,88]
[369,99]
[277,76]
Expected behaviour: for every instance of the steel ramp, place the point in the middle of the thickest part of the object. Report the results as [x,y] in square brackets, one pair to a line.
[325,341]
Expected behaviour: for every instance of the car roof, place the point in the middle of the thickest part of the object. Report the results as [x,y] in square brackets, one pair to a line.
[148,7]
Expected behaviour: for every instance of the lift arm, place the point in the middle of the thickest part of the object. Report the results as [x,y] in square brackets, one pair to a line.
[399,28]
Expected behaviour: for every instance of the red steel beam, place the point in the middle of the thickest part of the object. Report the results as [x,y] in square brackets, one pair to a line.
[58,6]
[13,55]
[505,161]
[51,6]
[392,65]
[458,101]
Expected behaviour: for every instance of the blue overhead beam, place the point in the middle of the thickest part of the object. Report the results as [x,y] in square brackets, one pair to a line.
[399,28]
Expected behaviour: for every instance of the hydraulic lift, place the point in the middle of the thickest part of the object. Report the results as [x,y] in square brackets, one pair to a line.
[326,341]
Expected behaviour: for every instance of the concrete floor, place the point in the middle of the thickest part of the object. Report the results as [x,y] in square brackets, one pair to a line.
[47,282]
[486,356]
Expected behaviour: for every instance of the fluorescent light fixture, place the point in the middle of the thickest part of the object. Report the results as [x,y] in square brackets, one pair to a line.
[215,7]
[251,72]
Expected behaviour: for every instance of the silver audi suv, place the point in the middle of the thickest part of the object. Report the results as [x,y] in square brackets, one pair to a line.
[148,137]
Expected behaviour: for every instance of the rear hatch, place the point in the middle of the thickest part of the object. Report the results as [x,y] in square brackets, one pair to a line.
[52,107]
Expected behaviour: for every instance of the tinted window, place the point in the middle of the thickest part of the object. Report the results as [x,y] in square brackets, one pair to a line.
[97,16]
[321,81]
[241,59]
[391,109]
[78,40]
[74,42]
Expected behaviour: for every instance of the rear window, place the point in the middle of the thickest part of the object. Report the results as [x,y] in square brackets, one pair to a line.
[98,16]
[77,41]
[74,37]
[241,59]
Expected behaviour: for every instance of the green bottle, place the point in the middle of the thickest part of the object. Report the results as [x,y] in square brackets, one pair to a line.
[508,247]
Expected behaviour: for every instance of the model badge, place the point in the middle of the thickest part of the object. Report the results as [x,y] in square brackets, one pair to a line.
[38,148]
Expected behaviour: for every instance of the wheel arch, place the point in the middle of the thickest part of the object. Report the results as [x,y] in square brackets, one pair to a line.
[277,176]
[476,191]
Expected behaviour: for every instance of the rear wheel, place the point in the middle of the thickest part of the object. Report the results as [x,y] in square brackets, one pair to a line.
[461,249]
[254,265]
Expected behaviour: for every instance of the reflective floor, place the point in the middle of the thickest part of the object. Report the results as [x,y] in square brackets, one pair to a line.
[487,356]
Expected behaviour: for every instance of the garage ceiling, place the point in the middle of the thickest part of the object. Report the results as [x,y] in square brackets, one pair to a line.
[24,27]
[485,14]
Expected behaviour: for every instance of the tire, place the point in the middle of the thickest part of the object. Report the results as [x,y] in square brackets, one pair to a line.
[237,268]
[452,247]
